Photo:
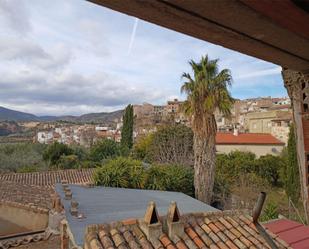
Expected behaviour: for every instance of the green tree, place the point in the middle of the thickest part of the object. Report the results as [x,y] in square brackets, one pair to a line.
[269,167]
[104,149]
[292,179]
[206,92]
[68,162]
[142,148]
[127,128]
[54,151]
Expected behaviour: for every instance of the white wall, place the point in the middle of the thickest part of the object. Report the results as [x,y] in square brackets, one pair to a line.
[258,150]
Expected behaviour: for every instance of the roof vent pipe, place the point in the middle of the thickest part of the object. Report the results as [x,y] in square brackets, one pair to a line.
[256,214]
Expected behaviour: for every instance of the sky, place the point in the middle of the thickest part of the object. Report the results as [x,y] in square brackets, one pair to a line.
[70,57]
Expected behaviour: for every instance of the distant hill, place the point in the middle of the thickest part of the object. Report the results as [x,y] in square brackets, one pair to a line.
[11,115]
[102,117]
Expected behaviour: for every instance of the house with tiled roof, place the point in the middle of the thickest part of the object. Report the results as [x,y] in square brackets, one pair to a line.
[50,178]
[101,217]
[258,143]
[27,205]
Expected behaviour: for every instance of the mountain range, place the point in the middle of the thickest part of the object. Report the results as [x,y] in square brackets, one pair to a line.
[102,117]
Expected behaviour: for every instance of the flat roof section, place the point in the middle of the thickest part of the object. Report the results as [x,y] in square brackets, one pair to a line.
[105,205]
[292,232]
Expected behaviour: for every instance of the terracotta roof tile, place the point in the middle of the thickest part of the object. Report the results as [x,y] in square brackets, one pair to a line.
[50,178]
[25,195]
[247,138]
[290,232]
[222,231]
[181,245]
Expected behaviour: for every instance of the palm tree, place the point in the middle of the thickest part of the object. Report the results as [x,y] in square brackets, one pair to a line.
[206,92]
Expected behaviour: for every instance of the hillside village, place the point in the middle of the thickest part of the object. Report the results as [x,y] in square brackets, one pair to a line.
[259,115]
[205,171]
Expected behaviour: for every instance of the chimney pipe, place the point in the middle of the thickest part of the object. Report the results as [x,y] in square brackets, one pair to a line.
[256,214]
[258,207]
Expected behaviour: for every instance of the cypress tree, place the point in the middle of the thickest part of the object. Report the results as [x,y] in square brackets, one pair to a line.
[127,128]
[292,180]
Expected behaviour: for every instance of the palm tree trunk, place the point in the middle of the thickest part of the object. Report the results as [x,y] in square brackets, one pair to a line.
[204,166]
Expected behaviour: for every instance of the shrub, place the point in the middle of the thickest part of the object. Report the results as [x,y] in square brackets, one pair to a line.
[28,169]
[270,212]
[89,164]
[180,179]
[104,149]
[171,178]
[142,148]
[80,151]
[120,172]
[230,166]
[269,167]
[247,188]
[68,162]
[156,178]
[54,151]
[130,173]
[16,156]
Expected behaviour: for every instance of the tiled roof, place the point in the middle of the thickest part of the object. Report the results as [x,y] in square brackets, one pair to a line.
[50,178]
[294,233]
[13,193]
[215,230]
[247,138]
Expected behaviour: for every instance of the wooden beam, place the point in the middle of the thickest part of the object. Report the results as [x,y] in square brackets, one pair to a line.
[285,13]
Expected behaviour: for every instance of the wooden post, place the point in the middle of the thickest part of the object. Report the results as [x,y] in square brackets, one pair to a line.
[297,85]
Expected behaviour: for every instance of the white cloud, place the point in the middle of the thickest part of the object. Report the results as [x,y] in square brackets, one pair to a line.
[76,60]
[271,71]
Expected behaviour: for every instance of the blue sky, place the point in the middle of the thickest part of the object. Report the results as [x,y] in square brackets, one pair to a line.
[72,57]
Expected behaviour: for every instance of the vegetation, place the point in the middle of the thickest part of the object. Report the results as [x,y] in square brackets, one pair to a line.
[239,176]
[206,92]
[173,145]
[270,212]
[104,149]
[120,172]
[127,129]
[13,157]
[291,170]
[55,151]
[130,173]
[142,148]
[68,162]
[269,167]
